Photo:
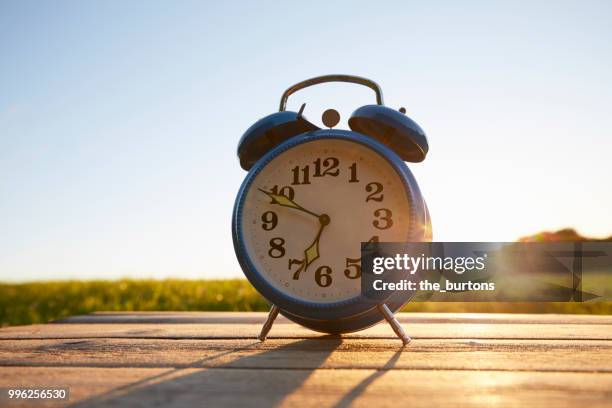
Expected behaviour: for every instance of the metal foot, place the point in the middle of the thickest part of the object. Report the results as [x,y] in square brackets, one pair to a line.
[268,324]
[395,325]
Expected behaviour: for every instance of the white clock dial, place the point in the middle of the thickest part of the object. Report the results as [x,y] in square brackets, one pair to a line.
[308,210]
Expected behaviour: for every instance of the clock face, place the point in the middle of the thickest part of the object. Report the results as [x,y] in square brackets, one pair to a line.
[307,211]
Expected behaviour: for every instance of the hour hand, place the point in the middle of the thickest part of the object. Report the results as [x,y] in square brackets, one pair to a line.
[311,253]
[286,202]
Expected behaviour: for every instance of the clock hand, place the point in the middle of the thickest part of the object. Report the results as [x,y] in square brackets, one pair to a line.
[311,253]
[287,202]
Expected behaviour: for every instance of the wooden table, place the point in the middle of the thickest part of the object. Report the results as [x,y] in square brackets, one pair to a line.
[214,359]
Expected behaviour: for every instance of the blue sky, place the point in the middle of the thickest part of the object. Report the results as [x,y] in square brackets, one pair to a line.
[119,119]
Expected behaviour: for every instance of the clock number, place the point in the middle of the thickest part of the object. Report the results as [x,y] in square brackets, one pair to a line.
[353,263]
[296,274]
[356,262]
[305,175]
[353,169]
[373,240]
[331,167]
[375,189]
[323,276]
[384,215]
[286,191]
[269,220]
[277,247]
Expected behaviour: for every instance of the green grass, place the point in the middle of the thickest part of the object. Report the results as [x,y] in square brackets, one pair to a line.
[44,301]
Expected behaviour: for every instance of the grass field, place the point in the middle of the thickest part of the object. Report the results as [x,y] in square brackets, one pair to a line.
[41,302]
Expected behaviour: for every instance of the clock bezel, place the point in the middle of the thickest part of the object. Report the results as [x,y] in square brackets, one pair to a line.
[327,311]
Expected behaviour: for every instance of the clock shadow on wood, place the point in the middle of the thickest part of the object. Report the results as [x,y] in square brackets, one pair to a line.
[268,376]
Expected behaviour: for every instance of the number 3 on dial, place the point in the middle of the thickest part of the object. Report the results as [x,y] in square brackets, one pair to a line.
[383,219]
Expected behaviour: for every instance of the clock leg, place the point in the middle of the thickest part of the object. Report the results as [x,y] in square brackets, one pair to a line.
[395,325]
[268,324]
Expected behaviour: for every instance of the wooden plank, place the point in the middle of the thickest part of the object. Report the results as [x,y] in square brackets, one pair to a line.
[258,318]
[507,355]
[185,359]
[211,331]
[143,387]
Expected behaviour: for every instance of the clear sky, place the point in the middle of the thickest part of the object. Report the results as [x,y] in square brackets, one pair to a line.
[119,119]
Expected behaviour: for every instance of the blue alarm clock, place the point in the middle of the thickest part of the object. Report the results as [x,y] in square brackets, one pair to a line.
[312,196]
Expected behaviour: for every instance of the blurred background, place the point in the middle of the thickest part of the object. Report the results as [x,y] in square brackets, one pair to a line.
[119,122]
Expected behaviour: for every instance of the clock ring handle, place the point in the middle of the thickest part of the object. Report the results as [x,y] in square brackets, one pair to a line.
[331,78]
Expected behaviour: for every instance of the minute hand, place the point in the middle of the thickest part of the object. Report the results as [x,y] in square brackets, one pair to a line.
[287,202]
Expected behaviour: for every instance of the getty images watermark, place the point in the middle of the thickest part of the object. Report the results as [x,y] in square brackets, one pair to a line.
[489,271]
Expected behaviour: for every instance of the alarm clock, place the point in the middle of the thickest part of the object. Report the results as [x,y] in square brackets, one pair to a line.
[310,199]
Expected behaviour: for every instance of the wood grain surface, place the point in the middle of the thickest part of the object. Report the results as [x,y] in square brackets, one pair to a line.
[213,359]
